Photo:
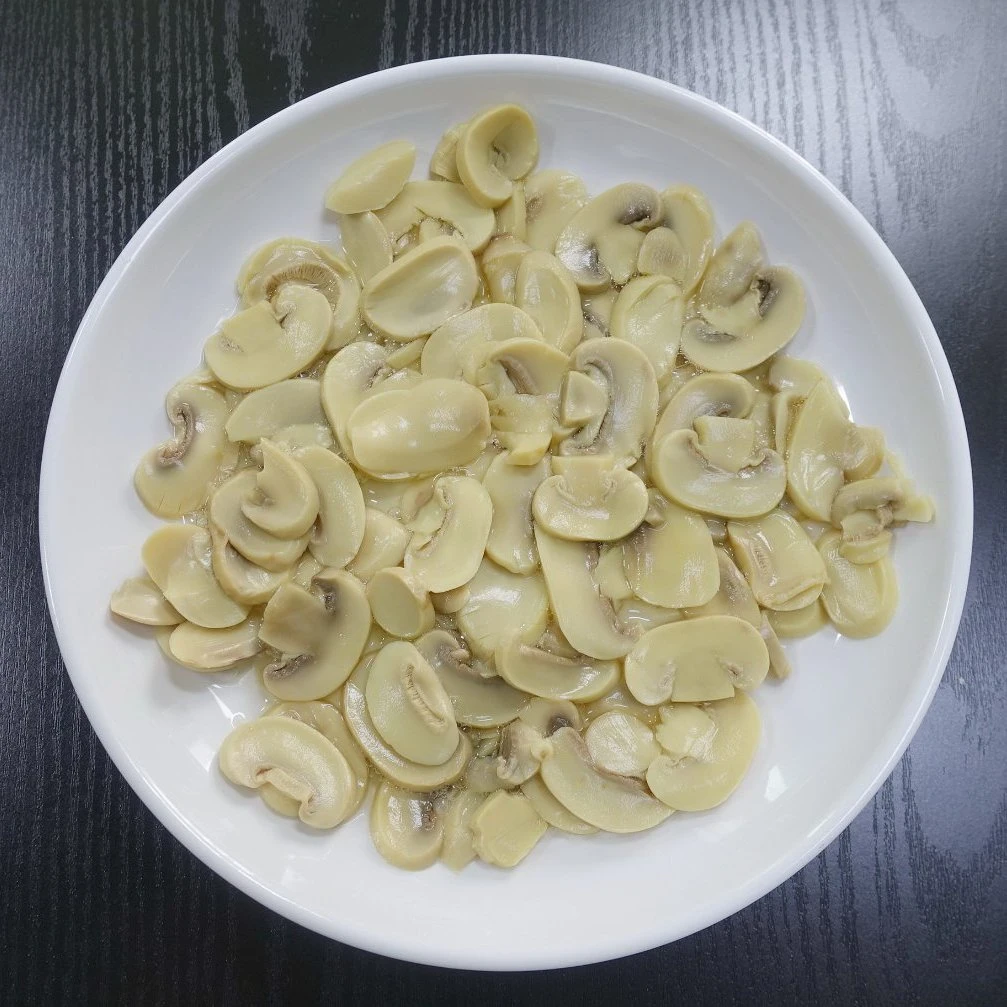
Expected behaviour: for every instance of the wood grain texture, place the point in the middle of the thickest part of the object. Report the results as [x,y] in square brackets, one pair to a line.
[105,105]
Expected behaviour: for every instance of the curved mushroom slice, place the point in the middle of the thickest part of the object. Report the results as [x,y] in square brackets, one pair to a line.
[270,341]
[670,559]
[583,402]
[859,598]
[366,243]
[399,604]
[339,532]
[443,161]
[611,803]
[709,749]
[610,575]
[681,248]
[285,503]
[726,442]
[140,600]
[177,559]
[621,744]
[790,374]
[402,772]
[885,499]
[457,850]
[728,395]
[440,424]
[511,488]
[597,308]
[865,536]
[779,663]
[762,420]
[349,377]
[267,411]
[421,290]
[546,716]
[175,477]
[406,828]
[214,649]
[500,263]
[784,407]
[552,197]
[685,475]
[226,513]
[500,605]
[512,216]
[519,367]
[587,619]
[373,180]
[409,707]
[452,203]
[553,676]
[477,700]
[495,149]
[245,582]
[733,597]
[601,242]
[780,561]
[551,811]
[625,374]
[545,291]
[799,621]
[621,700]
[449,556]
[449,602]
[384,545]
[648,313]
[523,425]
[639,616]
[518,758]
[505,829]
[696,660]
[296,760]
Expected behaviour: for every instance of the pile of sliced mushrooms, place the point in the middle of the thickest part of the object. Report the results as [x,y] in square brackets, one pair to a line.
[510,502]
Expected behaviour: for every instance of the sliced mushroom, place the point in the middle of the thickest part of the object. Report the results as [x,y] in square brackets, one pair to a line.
[800,621]
[384,545]
[859,598]
[544,289]
[373,180]
[356,371]
[519,367]
[452,203]
[297,761]
[789,374]
[399,604]
[285,503]
[610,574]
[779,663]
[683,473]
[681,248]
[449,602]
[551,811]
[625,374]
[339,533]
[762,420]
[639,616]
[587,619]
[505,829]
[177,558]
[554,676]
[481,772]
[440,424]
[457,850]
[886,499]
[621,744]
[621,700]
[495,149]
[648,313]
[726,442]
[597,308]
[511,541]
[421,290]
[705,395]
[443,161]
[611,803]
[245,582]
[583,401]
[406,828]
[780,562]
[733,597]
[502,604]
[214,649]
[601,242]
[546,716]
[366,243]
[512,216]
[175,477]
[500,264]
[270,410]
[696,660]
[552,197]
[139,599]
[518,760]
[709,749]
[523,425]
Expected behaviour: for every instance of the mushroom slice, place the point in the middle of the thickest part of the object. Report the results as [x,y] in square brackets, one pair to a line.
[553,676]
[518,759]
[175,477]
[825,446]
[406,827]
[779,663]
[728,395]
[421,290]
[670,559]
[478,700]
[402,772]
[457,850]
[451,203]
[780,561]
[683,473]
[696,660]
[799,621]
[214,649]
[726,442]
[583,401]
[601,242]
[440,424]
[621,744]
[373,180]
[611,803]
[519,367]
[339,533]
[399,604]
[762,420]
[505,829]
[349,377]
[384,545]
[546,716]
[552,197]
[610,576]
[177,558]
[455,348]
[295,759]
[639,616]
[500,605]
[551,811]
[590,499]
[140,600]
[286,501]
[885,499]
[621,700]
[544,289]
[511,488]
[709,749]
[366,243]
[495,149]
[586,618]
[648,313]
[681,248]
[859,598]
[226,513]
[789,374]
[625,373]
[783,409]
[512,216]
[449,556]
[245,582]
[500,263]
[443,161]
[733,597]
[267,411]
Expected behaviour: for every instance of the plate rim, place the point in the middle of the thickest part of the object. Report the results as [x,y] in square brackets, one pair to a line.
[727,904]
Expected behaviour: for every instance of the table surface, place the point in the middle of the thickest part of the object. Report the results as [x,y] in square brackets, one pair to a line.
[106,105]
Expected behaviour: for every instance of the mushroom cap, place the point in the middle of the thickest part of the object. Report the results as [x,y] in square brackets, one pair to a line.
[621,744]
[399,604]
[859,598]
[511,488]
[406,828]
[286,501]
[267,411]
[244,581]
[495,148]
[214,649]
[139,599]
[705,395]
[384,545]
[552,197]
[500,263]
[519,367]
[443,161]
[554,676]
[683,252]
[649,312]
[366,243]
[339,532]
[545,291]
[373,180]
[551,811]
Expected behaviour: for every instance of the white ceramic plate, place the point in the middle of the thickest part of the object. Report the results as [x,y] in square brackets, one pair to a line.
[832,732]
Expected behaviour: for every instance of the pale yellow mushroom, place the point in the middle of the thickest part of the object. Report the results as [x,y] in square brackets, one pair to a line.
[457,850]
[140,600]
[681,247]
[779,663]
[789,374]
[518,755]
[552,197]
[583,401]
[800,621]
[384,545]
[519,367]
[885,499]
[621,700]
[544,290]
[244,581]
[554,676]
[546,716]
[373,180]
[610,574]
[552,812]
[696,660]
[648,313]
[500,263]
[621,744]
[285,502]
[399,604]
[505,829]
[455,349]
[638,616]
[495,149]
[366,242]
[762,420]
[859,598]
[512,216]
[406,828]
[726,442]
[339,533]
[734,595]
[268,411]
[452,204]
[214,649]
[443,161]
[511,488]
[728,395]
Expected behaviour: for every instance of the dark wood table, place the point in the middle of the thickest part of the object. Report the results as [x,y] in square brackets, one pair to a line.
[106,105]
